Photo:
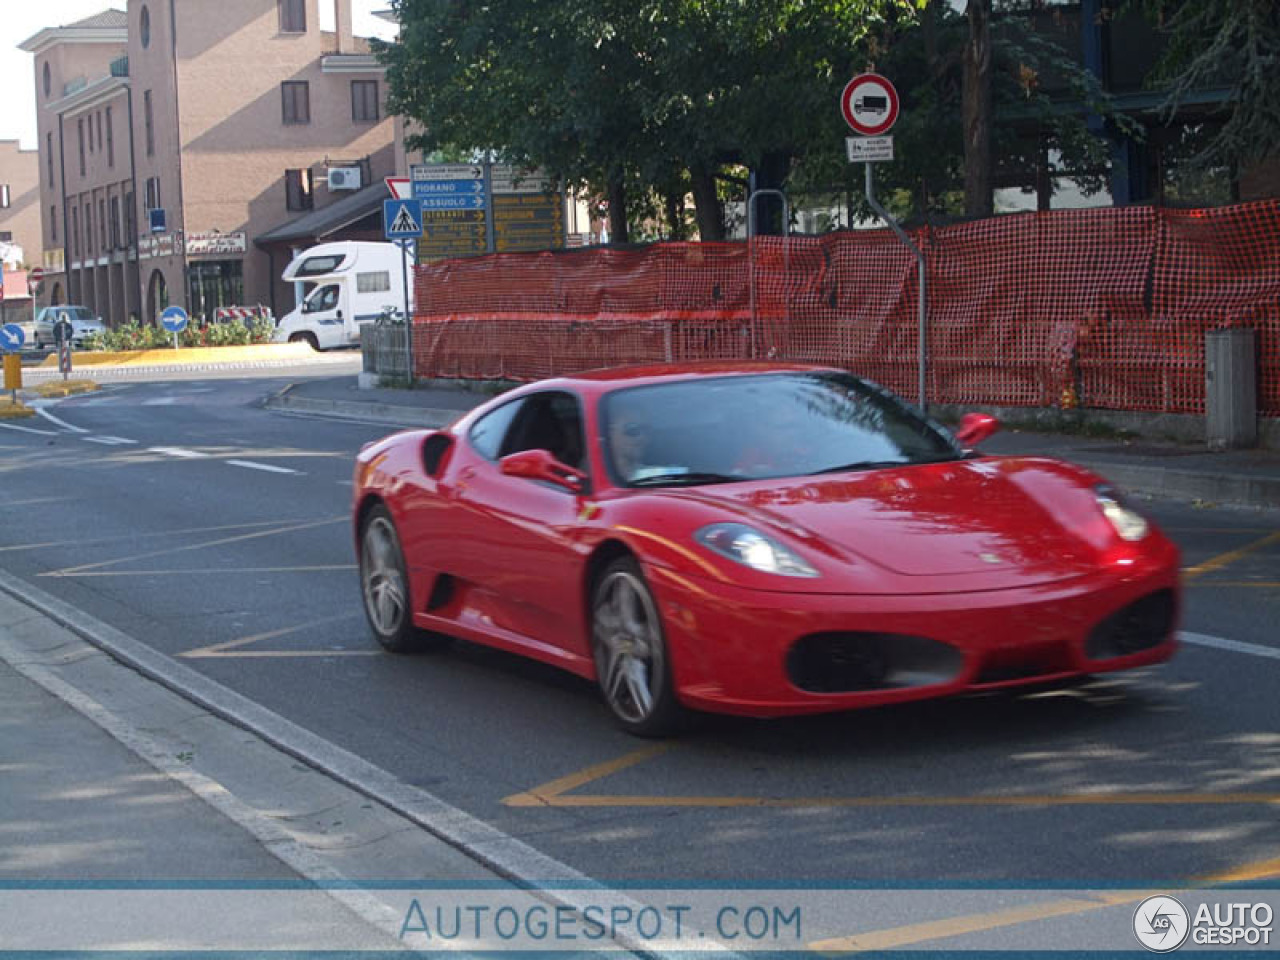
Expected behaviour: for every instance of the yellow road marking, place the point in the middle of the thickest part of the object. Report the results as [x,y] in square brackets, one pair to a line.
[1231,556]
[974,923]
[171,571]
[982,922]
[549,793]
[231,648]
[288,528]
[559,798]
[1245,873]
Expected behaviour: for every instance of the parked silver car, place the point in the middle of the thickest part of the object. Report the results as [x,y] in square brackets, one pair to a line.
[83,323]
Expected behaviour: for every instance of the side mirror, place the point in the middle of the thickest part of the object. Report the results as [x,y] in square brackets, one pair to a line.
[541,465]
[976,427]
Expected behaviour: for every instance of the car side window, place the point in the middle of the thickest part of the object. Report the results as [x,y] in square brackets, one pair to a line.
[487,433]
[549,421]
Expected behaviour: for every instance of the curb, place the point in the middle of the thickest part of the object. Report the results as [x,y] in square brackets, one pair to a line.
[410,417]
[1261,493]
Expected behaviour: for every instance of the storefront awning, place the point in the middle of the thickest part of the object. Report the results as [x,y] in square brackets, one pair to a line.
[315,225]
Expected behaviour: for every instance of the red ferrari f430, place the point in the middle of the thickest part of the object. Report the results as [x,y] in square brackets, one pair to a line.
[754,539]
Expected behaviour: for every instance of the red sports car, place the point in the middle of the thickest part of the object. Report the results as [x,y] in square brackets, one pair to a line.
[754,539]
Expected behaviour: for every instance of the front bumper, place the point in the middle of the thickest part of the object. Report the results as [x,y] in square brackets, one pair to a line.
[734,650]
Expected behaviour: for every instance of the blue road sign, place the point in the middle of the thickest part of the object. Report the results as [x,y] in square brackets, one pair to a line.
[11,338]
[422,189]
[454,201]
[401,218]
[174,319]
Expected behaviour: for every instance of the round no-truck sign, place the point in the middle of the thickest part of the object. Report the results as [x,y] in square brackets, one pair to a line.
[869,104]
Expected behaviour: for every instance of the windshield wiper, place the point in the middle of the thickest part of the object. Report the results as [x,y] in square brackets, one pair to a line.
[688,479]
[881,464]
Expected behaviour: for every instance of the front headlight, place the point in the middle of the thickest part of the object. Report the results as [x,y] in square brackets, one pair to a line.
[1128,523]
[753,549]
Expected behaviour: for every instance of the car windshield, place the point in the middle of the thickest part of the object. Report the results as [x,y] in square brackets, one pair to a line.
[73,313]
[726,429]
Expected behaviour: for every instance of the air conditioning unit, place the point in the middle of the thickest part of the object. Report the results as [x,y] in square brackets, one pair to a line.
[344,178]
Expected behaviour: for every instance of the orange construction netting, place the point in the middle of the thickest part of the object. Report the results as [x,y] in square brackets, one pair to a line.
[1104,308]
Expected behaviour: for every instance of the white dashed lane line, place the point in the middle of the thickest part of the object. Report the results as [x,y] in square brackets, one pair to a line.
[42,433]
[61,423]
[110,441]
[179,452]
[268,468]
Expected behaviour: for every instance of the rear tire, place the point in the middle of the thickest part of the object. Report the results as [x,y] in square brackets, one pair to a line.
[633,668]
[384,586]
[307,338]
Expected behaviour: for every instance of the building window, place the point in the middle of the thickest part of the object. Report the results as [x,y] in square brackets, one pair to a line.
[75,231]
[53,224]
[293,16]
[99,119]
[48,78]
[88,229]
[145,25]
[6,236]
[153,193]
[80,140]
[48,143]
[297,186]
[364,101]
[102,223]
[296,101]
[111,142]
[4,196]
[147,123]
[115,224]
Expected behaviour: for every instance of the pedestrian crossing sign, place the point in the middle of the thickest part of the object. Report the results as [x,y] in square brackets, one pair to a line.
[402,218]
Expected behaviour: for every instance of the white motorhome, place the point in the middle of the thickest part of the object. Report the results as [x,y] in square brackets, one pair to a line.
[348,284]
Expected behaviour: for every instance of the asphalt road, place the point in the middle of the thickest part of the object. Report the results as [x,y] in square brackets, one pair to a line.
[217,532]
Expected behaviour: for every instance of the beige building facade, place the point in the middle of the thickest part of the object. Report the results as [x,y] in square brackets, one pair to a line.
[19,205]
[178,136]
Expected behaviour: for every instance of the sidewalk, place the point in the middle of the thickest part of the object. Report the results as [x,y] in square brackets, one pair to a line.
[1242,477]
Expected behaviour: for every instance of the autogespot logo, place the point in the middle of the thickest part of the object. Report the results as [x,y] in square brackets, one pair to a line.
[1161,924]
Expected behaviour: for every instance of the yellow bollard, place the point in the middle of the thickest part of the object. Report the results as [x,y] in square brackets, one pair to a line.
[12,371]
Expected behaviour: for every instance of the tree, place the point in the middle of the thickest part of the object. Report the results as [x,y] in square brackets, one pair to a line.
[622,96]
[1231,43]
[976,110]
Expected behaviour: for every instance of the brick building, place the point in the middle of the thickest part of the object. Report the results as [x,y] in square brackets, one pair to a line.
[174,134]
[19,205]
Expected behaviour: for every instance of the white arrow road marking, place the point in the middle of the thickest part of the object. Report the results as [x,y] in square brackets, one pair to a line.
[43,433]
[178,452]
[61,423]
[260,466]
[1235,646]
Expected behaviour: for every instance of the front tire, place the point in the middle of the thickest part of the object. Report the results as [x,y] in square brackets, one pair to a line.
[307,338]
[384,585]
[633,669]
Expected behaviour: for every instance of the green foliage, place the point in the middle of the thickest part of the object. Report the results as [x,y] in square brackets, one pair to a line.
[601,89]
[135,336]
[1224,43]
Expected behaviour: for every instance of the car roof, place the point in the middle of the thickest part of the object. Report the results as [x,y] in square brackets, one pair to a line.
[608,379]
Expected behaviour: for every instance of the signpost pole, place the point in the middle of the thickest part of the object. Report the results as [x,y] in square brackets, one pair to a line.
[922,299]
[408,315]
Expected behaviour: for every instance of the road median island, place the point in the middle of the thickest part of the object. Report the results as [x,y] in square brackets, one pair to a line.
[193,356]
[63,388]
[11,409]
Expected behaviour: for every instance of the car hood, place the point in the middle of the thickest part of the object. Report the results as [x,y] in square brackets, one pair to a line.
[993,522]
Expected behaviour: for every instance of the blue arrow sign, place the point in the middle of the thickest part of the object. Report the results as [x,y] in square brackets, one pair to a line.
[457,201]
[174,319]
[422,189]
[11,338]
[401,218]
